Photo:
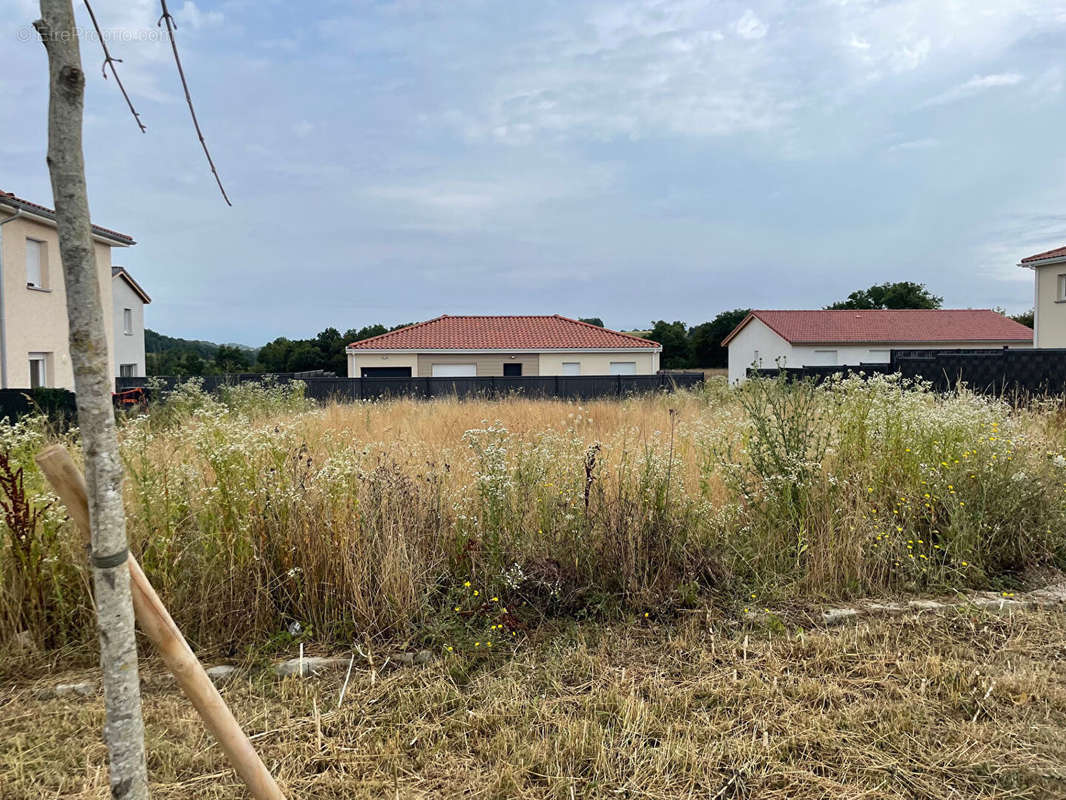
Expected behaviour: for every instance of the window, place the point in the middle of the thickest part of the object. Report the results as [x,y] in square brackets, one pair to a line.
[127,370]
[38,370]
[512,369]
[127,321]
[454,370]
[36,265]
[1062,288]
[823,358]
[571,368]
[623,367]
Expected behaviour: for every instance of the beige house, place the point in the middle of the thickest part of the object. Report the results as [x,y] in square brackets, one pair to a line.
[501,346]
[1049,301]
[34,347]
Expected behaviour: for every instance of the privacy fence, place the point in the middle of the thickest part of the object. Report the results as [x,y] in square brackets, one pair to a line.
[56,404]
[999,372]
[572,387]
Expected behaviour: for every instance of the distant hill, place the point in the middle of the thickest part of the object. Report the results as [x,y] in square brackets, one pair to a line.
[161,343]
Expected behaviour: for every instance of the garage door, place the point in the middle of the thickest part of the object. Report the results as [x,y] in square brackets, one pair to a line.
[385,372]
[623,367]
[454,370]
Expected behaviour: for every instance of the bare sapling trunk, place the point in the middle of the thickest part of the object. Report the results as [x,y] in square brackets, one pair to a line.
[123,726]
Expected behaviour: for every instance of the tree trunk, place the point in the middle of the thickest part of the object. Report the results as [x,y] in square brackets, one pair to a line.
[123,726]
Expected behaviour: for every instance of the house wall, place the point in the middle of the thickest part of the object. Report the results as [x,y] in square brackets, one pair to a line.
[488,364]
[757,344]
[360,360]
[35,320]
[491,364]
[1050,311]
[129,347]
[599,363]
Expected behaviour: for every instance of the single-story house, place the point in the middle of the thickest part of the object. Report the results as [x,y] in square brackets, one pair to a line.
[1049,301]
[468,346]
[769,339]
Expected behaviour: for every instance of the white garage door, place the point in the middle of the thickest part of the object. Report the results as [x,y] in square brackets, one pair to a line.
[571,368]
[623,367]
[454,370]
[822,358]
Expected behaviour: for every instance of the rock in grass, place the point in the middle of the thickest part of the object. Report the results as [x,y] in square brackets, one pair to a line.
[84,689]
[308,665]
[836,616]
[928,605]
[221,673]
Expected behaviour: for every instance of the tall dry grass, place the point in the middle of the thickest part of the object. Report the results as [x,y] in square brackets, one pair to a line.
[260,517]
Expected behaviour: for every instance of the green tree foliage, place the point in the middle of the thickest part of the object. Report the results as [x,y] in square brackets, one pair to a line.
[592,321]
[706,339]
[901,294]
[673,336]
[1026,318]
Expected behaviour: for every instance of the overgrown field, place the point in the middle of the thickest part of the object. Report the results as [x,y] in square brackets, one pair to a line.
[923,707]
[262,519]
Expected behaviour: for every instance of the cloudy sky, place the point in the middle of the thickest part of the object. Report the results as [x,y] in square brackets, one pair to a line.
[392,161]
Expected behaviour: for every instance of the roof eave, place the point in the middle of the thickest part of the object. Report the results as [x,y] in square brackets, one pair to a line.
[353,349]
[48,217]
[1042,262]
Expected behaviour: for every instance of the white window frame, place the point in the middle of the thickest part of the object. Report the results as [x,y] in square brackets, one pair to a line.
[39,361]
[36,274]
[127,370]
[1062,288]
[571,368]
[127,321]
[615,367]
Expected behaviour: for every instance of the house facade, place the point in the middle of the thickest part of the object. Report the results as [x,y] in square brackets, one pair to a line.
[1049,300]
[34,347]
[769,339]
[129,300]
[502,346]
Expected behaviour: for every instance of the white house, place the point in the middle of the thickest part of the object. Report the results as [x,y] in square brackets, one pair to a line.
[769,339]
[507,346]
[1049,301]
[129,300]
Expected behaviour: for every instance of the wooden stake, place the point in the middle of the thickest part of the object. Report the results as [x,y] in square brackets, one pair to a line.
[156,623]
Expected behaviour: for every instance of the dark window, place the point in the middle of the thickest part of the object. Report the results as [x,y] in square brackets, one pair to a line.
[386,372]
[512,369]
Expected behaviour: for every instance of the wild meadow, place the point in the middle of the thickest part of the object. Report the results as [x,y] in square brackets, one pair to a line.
[263,519]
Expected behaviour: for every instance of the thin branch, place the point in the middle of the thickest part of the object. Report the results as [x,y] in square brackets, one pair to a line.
[171,25]
[110,61]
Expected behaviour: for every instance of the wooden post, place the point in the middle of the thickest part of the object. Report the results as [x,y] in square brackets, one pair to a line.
[156,623]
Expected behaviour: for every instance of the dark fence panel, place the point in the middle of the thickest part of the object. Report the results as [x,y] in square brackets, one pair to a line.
[57,404]
[575,387]
[998,372]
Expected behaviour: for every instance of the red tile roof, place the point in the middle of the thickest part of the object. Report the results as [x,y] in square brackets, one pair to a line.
[1058,252]
[7,198]
[504,333]
[911,326]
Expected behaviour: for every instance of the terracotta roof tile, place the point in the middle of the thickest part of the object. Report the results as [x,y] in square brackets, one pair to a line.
[44,211]
[1058,252]
[911,326]
[503,333]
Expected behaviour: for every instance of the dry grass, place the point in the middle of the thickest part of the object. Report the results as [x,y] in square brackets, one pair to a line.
[957,706]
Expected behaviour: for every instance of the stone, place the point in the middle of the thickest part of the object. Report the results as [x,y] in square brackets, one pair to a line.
[308,665]
[221,673]
[84,689]
[927,605]
[886,609]
[423,657]
[836,616]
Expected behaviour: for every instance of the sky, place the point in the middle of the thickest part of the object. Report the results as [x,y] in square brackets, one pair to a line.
[665,159]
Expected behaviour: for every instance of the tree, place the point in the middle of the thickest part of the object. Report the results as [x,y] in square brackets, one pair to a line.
[123,724]
[591,321]
[673,336]
[902,294]
[706,339]
[231,359]
[1026,318]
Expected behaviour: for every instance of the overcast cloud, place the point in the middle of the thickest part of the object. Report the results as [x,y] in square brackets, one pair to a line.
[391,161]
